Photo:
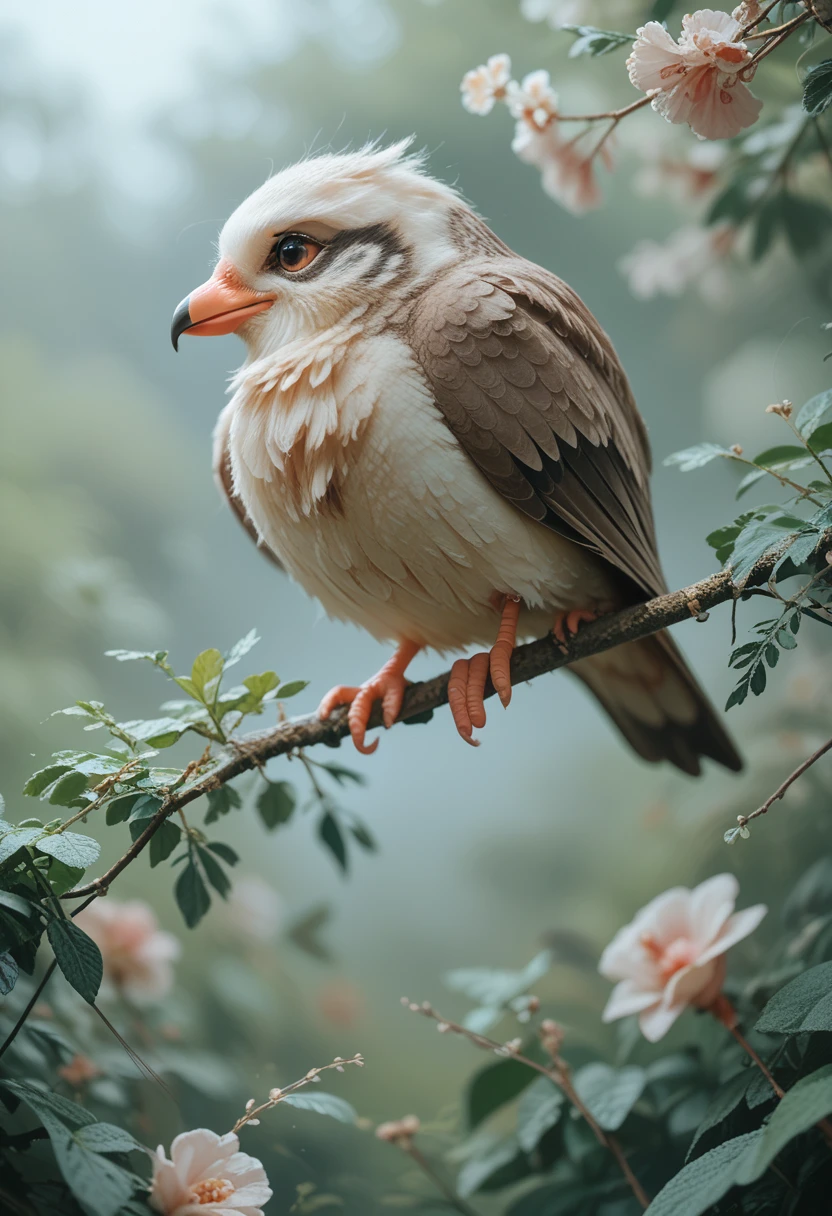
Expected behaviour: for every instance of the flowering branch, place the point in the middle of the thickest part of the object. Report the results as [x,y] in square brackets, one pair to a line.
[557,1072]
[276,1096]
[528,661]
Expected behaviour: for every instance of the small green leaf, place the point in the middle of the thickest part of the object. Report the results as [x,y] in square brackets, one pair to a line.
[493,1087]
[696,457]
[67,789]
[191,894]
[107,1138]
[364,837]
[801,1006]
[44,777]
[817,88]
[726,1099]
[322,1104]
[813,412]
[807,223]
[258,686]
[609,1093]
[214,872]
[77,956]
[163,842]
[595,42]
[782,454]
[240,649]
[821,438]
[331,835]
[16,839]
[224,851]
[341,774]
[291,689]
[539,1110]
[63,878]
[221,801]
[71,848]
[276,803]
[206,671]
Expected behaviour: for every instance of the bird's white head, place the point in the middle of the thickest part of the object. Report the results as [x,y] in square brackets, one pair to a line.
[332,238]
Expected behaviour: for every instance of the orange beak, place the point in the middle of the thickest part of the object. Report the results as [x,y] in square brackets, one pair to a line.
[219,306]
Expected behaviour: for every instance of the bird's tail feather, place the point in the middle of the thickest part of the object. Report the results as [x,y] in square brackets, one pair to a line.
[651,695]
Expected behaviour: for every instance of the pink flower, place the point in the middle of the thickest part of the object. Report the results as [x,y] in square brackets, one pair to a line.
[137,953]
[699,79]
[208,1173]
[673,954]
[566,174]
[689,256]
[534,100]
[484,85]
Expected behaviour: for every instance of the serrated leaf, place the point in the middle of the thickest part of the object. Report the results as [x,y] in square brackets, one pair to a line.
[333,838]
[71,848]
[77,956]
[191,895]
[276,804]
[803,1005]
[817,88]
[704,1181]
[322,1104]
[539,1110]
[609,1093]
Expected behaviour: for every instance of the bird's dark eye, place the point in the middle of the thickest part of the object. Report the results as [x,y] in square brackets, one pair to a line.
[296,252]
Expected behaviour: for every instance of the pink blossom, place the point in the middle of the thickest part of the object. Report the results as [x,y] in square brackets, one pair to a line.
[208,1173]
[137,953]
[534,100]
[690,256]
[566,173]
[672,954]
[483,86]
[699,79]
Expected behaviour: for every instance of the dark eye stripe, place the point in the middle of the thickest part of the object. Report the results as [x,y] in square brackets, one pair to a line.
[332,254]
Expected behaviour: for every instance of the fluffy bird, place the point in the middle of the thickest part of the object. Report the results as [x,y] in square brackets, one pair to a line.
[435,438]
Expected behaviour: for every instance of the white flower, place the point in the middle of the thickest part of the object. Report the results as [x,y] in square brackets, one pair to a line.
[535,101]
[254,909]
[673,954]
[689,256]
[484,85]
[697,80]
[566,174]
[137,954]
[208,1173]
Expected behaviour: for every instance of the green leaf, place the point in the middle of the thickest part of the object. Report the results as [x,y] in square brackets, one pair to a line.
[769,217]
[44,777]
[258,686]
[609,1093]
[704,1181]
[595,42]
[807,223]
[487,986]
[241,648]
[77,956]
[760,538]
[275,804]
[131,656]
[221,801]
[155,732]
[118,810]
[322,1104]
[9,972]
[726,1099]
[660,9]
[106,1138]
[52,1109]
[214,872]
[364,837]
[539,1110]
[63,878]
[16,839]
[809,1100]
[191,894]
[813,412]
[224,851]
[803,1005]
[476,1172]
[206,672]
[16,903]
[67,788]
[163,842]
[71,848]
[492,1087]
[784,453]
[341,774]
[696,457]
[821,439]
[291,689]
[332,837]
[817,88]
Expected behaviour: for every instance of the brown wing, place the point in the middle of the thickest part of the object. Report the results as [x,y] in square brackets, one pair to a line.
[224,480]
[531,387]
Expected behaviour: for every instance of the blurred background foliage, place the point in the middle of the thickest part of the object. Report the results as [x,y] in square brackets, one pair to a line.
[126,137]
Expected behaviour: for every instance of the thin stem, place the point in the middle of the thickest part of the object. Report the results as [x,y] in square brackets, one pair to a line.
[784,481]
[777,29]
[615,114]
[558,1074]
[762,17]
[743,820]
[33,1000]
[455,1201]
[805,442]
[786,31]
[256,1111]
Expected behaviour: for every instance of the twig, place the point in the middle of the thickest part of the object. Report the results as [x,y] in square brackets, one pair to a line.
[617,115]
[762,17]
[786,31]
[528,661]
[558,1075]
[276,1096]
[743,820]
[33,1000]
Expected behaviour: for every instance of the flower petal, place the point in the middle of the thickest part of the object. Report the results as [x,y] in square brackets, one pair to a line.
[654,1023]
[711,903]
[654,55]
[627,998]
[740,925]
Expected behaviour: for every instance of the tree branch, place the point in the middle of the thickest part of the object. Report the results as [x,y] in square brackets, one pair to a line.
[529,661]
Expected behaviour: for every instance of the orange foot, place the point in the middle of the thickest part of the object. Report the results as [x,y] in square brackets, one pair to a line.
[387,686]
[466,686]
[569,623]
